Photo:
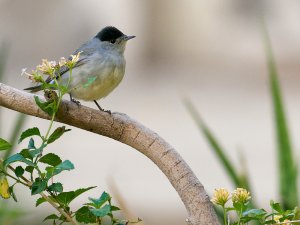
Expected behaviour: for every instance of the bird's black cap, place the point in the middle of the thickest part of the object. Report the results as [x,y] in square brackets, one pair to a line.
[109,33]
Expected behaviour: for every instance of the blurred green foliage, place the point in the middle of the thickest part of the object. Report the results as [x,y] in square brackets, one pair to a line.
[287,177]
[8,214]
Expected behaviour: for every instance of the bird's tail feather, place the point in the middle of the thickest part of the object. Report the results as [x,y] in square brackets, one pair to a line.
[34,88]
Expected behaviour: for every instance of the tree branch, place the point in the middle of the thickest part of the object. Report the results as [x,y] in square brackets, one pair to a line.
[120,127]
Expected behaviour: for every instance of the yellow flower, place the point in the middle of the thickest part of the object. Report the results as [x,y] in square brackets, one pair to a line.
[4,186]
[74,59]
[47,67]
[240,195]
[277,219]
[220,197]
[33,76]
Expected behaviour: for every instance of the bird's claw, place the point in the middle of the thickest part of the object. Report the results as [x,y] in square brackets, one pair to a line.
[76,102]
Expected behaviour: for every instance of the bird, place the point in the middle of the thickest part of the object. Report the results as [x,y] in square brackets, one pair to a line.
[101,61]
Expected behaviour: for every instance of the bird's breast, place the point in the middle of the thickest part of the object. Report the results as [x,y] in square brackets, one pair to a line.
[97,78]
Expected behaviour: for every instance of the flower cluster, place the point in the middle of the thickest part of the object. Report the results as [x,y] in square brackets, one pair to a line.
[221,196]
[51,68]
[240,195]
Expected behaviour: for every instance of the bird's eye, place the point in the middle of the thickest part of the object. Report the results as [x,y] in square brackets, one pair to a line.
[113,41]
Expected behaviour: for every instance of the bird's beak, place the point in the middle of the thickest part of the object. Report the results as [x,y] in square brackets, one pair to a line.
[126,38]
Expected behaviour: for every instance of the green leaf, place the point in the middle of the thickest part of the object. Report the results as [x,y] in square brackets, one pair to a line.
[38,186]
[84,215]
[97,203]
[40,201]
[12,193]
[56,187]
[65,165]
[288,179]
[276,207]
[19,171]
[30,132]
[57,134]
[47,107]
[31,144]
[66,198]
[26,153]
[90,80]
[104,211]
[29,169]
[51,217]
[50,159]
[4,145]
[35,152]
[114,208]
[17,158]
[258,213]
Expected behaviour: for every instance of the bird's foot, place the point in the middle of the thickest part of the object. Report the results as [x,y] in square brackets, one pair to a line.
[74,100]
[101,109]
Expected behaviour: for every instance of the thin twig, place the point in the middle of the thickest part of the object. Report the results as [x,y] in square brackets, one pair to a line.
[29,184]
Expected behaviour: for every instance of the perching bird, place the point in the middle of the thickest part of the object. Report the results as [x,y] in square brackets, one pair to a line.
[102,61]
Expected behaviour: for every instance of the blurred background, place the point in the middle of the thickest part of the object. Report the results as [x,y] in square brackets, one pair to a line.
[208,51]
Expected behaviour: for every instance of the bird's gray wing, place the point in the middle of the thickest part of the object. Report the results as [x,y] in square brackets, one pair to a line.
[84,57]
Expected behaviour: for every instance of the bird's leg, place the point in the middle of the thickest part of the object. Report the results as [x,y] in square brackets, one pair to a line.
[99,107]
[74,100]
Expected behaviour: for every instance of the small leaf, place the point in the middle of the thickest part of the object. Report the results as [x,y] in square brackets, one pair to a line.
[66,198]
[65,165]
[4,145]
[19,171]
[104,211]
[84,215]
[17,158]
[25,153]
[29,169]
[12,193]
[51,217]
[114,208]
[276,206]
[97,203]
[40,201]
[30,132]
[57,134]
[34,153]
[258,213]
[56,187]
[51,159]
[47,107]
[38,186]
[31,144]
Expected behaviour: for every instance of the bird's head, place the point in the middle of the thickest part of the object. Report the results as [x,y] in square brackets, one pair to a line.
[113,39]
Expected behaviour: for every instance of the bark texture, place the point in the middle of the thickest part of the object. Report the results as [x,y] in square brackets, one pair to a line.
[120,127]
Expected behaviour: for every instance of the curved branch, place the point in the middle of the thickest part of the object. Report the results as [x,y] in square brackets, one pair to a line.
[120,127]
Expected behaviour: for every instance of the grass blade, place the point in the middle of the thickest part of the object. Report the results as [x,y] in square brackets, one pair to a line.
[287,166]
[19,122]
[237,180]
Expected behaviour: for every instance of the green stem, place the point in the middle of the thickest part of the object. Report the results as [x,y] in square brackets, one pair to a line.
[225,215]
[16,179]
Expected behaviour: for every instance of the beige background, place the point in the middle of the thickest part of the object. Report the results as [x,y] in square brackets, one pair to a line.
[208,51]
